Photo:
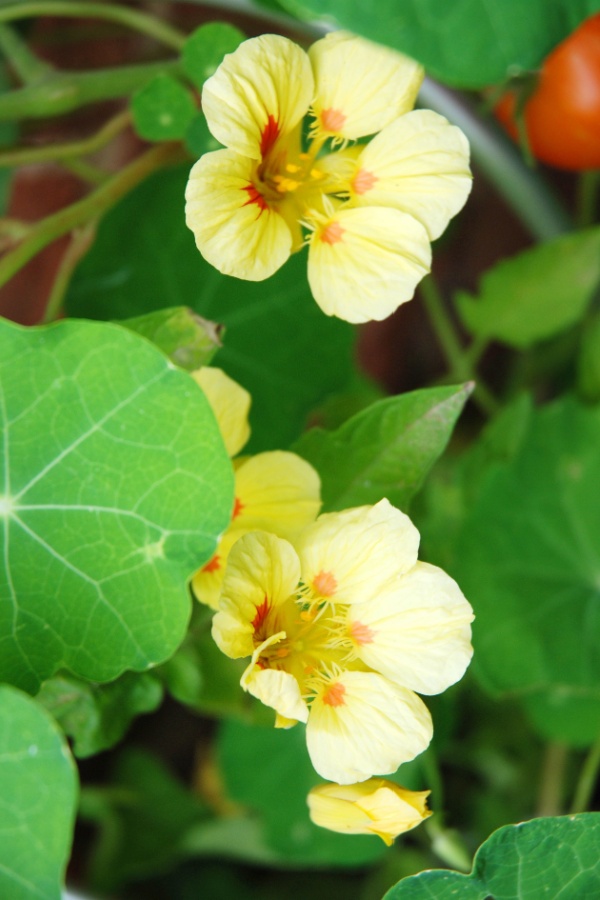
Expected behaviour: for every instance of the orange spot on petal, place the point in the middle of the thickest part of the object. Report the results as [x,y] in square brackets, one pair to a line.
[269,135]
[363,181]
[325,583]
[255,196]
[332,119]
[261,614]
[332,233]
[361,633]
[334,694]
[238,507]
[212,565]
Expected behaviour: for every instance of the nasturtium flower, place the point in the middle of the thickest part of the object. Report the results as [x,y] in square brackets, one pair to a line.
[375,806]
[287,175]
[276,491]
[342,630]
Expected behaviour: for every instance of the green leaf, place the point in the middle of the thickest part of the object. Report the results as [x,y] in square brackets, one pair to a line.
[529,561]
[269,771]
[279,345]
[198,138]
[38,787]
[386,450]
[536,294]
[205,48]
[588,363]
[96,716]
[115,488]
[467,43]
[185,337]
[163,109]
[552,857]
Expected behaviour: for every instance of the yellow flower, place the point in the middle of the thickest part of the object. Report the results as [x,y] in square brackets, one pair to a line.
[341,631]
[368,212]
[276,491]
[371,807]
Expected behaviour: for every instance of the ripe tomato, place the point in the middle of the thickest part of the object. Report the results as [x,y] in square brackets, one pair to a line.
[562,116]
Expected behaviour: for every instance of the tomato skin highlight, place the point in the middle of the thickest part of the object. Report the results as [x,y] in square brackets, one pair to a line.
[562,117]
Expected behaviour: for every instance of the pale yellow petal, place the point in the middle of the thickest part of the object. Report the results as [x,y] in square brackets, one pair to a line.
[259,92]
[350,556]
[230,403]
[279,690]
[375,806]
[235,229]
[360,87]
[420,165]
[276,491]
[207,582]
[373,727]
[417,631]
[364,262]
[262,572]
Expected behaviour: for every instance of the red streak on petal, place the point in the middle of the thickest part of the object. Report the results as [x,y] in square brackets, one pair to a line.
[363,181]
[361,633]
[334,694]
[332,119]
[255,197]
[332,233]
[213,565]
[269,135]
[238,507]
[261,614]
[325,583]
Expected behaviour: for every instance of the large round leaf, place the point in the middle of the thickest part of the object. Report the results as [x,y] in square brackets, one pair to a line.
[114,487]
[38,789]
[529,562]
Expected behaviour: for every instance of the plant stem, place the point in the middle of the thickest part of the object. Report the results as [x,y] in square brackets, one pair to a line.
[19,156]
[550,795]
[131,18]
[81,241]
[91,207]
[587,780]
[26,64]
[587,198]
[62,92]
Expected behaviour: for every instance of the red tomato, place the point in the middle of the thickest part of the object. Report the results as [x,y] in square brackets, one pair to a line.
[562,117]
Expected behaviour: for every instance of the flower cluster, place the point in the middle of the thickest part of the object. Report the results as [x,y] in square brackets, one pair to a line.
[289,174]
[276,491]
[341,630]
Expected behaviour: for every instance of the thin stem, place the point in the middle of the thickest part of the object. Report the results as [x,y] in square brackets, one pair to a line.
[91,207]
[19,156]
[86,171]
[81,240]
[587,780]
[26,64]
[550,796]
[587,198]
[131,18]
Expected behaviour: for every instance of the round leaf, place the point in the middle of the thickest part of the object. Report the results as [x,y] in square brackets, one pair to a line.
[115,488]
[163,109]
[38,787]
[205,48]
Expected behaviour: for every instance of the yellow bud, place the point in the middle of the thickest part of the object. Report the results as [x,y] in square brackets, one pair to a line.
[375,806]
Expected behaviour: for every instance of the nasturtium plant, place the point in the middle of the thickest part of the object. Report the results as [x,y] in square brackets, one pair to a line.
[163,109]
[115,487]
[38,786]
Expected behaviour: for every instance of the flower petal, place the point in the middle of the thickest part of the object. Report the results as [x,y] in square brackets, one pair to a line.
[236,231]
[420,165]
[374,728]
[364,262]
[360,549]
[262,571]
[417,631]
[259,92]
[230,403]
[276,491]
[208,581]
[360,87]
[276,689]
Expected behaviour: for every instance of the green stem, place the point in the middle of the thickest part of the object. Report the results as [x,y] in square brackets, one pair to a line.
[448,845]
[550,796]
[587,780]
[587,198]
[62,92]
[131,18]
[26,64]
[91,207]
[81,241]
[19,156]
